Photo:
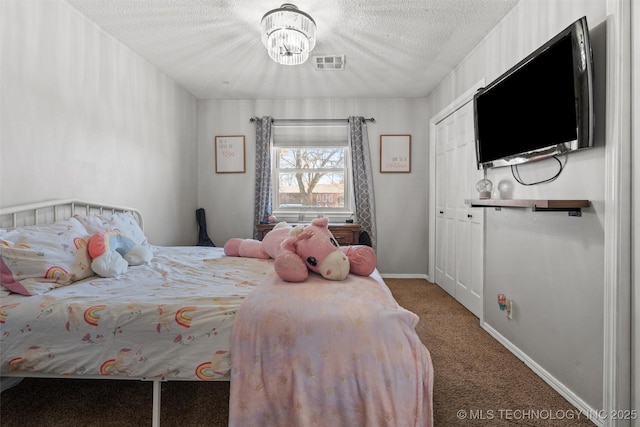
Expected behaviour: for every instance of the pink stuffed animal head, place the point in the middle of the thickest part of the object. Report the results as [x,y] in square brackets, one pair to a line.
[319,250]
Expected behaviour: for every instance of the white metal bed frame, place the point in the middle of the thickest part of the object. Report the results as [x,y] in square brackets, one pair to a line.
[56,210]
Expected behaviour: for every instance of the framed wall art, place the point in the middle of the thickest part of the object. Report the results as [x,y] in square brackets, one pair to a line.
[395,153]
[230,154]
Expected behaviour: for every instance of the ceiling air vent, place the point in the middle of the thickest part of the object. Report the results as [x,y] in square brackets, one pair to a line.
[329,62]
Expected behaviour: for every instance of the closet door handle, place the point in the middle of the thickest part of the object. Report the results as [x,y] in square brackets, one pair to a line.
[441,212]
[469,216]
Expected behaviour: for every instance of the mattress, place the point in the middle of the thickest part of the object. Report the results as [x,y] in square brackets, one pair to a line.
[170,319]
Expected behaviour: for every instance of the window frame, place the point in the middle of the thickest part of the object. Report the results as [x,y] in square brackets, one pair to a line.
[306,214]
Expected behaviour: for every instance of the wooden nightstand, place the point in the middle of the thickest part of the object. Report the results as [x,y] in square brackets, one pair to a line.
[346,234]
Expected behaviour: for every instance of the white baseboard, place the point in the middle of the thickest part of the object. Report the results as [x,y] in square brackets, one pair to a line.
[404,276]
[565,392]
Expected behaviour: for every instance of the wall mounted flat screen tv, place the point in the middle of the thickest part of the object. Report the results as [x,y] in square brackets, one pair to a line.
[541,107]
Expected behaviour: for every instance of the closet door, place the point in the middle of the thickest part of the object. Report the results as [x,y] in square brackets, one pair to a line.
[459,228]
[469,221]
[445,212]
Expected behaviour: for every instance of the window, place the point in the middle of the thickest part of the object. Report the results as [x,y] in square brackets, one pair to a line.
[311,171]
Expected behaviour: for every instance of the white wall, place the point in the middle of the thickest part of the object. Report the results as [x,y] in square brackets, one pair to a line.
[635,108]
[550,264]
[400,198]
[83,117]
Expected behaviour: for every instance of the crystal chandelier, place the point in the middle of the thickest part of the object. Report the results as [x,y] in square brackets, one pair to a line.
[288,34]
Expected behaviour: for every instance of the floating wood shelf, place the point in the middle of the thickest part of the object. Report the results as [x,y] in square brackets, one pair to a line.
[573,207]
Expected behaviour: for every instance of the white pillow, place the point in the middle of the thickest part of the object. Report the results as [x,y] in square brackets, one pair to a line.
[35,259]
[123,222]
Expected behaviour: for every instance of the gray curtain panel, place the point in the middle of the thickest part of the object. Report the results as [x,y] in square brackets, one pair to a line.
[362,177]
[263,189]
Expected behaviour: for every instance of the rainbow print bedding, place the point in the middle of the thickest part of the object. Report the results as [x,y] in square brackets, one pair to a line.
[171,319]
[328,353]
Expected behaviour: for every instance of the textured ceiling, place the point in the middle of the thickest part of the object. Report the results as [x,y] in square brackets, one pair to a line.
[393,48]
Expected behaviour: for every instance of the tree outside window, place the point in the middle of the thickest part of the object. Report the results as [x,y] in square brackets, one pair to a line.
[311,177]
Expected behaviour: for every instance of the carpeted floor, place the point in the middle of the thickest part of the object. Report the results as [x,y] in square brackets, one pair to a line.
[476,382]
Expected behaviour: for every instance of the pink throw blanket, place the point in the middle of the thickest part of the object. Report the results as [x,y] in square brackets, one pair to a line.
[328,354]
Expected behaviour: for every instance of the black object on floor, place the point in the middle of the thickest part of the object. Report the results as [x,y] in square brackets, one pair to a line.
[203,237]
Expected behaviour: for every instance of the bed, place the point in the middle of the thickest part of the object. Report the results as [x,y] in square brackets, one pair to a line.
[329,353]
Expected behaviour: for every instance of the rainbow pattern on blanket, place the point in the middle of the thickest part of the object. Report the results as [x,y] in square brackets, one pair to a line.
[92,314]
[56,273]
[108,367]
[3,311]
[184,316]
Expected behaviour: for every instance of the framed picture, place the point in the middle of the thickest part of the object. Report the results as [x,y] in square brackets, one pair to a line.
[230,154]
[395,153]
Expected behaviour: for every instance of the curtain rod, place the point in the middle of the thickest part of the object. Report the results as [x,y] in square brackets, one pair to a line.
[373,120]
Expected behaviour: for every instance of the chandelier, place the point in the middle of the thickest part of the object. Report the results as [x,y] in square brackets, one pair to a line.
[288,34]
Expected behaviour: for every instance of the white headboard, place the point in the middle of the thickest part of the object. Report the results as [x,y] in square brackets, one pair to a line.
[57,210]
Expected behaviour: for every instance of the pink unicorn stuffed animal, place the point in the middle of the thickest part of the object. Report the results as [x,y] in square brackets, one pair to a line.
[296,250]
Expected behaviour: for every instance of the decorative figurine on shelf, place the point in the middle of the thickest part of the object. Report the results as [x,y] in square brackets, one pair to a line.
[484,187]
